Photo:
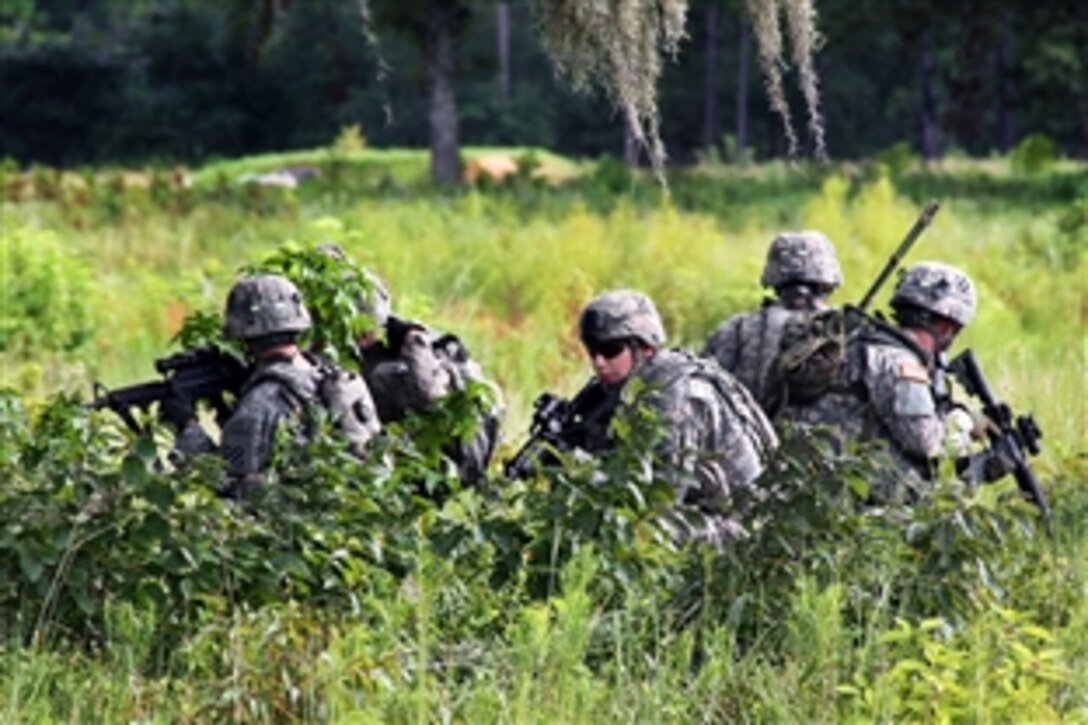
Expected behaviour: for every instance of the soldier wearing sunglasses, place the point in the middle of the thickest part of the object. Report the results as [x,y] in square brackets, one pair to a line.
[715,438]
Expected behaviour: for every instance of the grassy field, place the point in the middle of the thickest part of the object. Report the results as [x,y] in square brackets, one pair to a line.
[100,269]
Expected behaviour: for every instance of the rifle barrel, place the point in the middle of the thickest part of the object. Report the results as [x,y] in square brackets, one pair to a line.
[923,221]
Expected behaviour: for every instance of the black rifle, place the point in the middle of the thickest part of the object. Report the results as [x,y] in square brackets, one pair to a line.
[1013,437]
[920,225]
[206,373]
[562,425]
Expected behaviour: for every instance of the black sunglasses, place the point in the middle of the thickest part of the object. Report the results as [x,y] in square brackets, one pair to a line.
[607,349]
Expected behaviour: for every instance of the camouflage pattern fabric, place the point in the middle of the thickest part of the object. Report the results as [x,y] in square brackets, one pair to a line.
[279,392]
[427,366]
[620,314]
[716,440]
[263,305]
[804,256]
[938,288]
[747,344]
[887,392]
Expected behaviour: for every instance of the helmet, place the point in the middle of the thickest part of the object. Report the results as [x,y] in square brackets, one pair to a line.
[937,288]
[377,304]
[262,305]
[619,314]
[805,256]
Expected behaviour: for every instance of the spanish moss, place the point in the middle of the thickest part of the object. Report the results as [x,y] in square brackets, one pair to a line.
[617,46]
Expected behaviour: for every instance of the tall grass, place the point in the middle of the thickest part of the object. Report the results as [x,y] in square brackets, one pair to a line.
[508,270]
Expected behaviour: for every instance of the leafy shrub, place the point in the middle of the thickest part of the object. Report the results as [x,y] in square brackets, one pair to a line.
[45,293]
[897,158]
[1034,155]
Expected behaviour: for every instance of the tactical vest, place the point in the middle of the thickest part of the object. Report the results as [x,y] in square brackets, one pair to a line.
[342,393]
[733,394]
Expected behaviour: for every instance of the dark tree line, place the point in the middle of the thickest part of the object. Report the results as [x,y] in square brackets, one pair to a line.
[85,81]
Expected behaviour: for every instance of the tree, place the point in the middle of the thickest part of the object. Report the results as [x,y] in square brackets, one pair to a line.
[436,25]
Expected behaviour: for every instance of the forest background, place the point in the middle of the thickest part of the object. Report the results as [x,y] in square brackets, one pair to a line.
[93,81]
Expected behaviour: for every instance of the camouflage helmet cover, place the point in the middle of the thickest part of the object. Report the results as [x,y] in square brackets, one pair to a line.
[938,288]
[265,304]
[378,303]
[621,314]
[804,256]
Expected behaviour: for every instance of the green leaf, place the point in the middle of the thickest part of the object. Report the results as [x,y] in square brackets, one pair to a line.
[30,565]
[134,471]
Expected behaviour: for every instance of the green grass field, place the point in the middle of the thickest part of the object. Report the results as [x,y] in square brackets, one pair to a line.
[99,273]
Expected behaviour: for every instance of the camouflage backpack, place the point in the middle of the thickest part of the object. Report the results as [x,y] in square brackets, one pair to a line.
[810,360]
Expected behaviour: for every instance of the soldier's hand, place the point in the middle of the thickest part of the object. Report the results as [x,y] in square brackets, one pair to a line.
[970,423]
[982,426]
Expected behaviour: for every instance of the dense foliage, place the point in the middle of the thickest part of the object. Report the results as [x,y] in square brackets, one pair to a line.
[381,590]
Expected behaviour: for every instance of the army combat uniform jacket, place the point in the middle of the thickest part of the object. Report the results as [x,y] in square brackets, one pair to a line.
[282,391]
[415,370]
[886,391]
[746,345]
[716,439]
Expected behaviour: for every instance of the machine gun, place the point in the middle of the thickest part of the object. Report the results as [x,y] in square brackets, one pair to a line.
[206,373]
[1013,437]
[562,425]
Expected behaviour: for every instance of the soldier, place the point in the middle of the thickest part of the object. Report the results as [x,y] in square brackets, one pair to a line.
[803,270]
[266,314]
[414,366]
[716,439]
[891,386]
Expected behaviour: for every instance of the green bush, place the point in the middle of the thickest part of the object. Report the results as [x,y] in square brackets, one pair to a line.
[46,296]
[1036,154]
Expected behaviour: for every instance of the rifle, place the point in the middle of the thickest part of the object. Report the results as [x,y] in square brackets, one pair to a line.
[920,225]
[205,373]
[1013,437]
[563,425]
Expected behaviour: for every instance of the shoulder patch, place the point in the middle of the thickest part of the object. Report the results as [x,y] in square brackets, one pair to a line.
[915,371]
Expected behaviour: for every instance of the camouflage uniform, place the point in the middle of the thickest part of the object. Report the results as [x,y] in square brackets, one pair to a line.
[746,344]
[282,389]
[886,392]
[716,438]
[892,390]
[423,367]
[416,366]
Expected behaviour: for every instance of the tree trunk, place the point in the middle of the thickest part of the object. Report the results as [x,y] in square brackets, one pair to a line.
[743,42]
[1006,132]
[931,125]
[711,122]
[442,98]
[630,144]
[502,37]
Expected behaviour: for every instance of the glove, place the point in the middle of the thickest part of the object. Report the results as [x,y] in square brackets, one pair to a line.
[982,426]
[958,431]
[973,423]
[177,410]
